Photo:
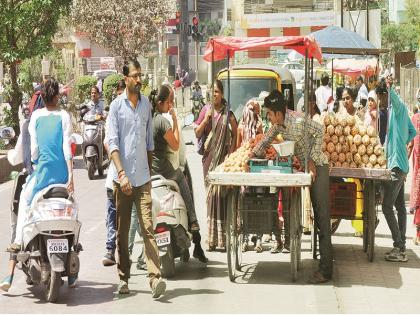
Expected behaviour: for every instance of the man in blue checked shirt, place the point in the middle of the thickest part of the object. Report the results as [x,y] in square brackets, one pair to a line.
[131,146]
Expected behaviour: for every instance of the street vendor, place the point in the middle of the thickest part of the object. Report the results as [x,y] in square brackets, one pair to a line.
[291,126]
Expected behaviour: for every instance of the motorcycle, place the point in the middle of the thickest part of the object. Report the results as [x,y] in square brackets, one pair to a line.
[197,105]
[94,153]
[51,240]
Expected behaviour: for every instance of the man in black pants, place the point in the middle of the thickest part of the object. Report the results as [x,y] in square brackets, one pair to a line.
[291,126]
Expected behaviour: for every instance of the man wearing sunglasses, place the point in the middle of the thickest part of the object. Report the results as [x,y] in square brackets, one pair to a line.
[131,147]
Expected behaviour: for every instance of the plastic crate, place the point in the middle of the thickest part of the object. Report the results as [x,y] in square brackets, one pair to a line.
[281,165]
[259,213]
[343,200]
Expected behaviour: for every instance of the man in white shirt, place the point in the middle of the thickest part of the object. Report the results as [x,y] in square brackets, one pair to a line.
[324,95]
[362,95]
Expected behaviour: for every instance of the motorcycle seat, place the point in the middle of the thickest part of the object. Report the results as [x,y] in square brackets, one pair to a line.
[57,192]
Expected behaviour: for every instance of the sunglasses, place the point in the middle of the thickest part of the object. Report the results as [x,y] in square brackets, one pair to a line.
[135,76]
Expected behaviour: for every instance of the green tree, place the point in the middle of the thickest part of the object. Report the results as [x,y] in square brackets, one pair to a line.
[124,28]
[26,30]
[82,87]
[110,84]
[405,36]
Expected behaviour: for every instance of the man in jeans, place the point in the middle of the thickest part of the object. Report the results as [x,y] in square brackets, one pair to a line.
[131,146]
[400,132]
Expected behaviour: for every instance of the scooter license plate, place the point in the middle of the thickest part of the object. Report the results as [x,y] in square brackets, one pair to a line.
[56,246]
[163,238]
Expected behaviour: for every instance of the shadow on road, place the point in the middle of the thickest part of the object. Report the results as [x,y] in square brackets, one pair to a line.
[351,268]
[85,293]
[193,270]
[79,164]
[172,294]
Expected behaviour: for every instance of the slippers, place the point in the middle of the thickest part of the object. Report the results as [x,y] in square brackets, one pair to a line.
[317,278]
[14,248]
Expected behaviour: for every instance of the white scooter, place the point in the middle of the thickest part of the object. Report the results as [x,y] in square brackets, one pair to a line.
[51,240]
[51,236]
[170,222]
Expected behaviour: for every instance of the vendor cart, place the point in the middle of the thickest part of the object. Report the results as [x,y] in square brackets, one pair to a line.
[219,48]
[337,43]
[370,178]
[238,214]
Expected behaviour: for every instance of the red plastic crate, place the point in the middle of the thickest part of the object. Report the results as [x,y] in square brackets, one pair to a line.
[343,199]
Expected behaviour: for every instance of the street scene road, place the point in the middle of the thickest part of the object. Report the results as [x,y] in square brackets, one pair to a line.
[264,286]
[282,140]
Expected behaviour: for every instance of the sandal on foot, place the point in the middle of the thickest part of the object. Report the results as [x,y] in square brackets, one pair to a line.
[6,283]
[317,278]
[277,248]
[14,248]
[258,247]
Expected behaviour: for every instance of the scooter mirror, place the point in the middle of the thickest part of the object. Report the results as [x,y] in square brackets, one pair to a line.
[188,120]
[7,133]
[76,138]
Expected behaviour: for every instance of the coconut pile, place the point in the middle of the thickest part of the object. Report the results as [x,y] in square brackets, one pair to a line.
[348,143]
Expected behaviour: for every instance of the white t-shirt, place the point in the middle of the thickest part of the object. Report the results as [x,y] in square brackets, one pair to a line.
[363,93]
[323,93]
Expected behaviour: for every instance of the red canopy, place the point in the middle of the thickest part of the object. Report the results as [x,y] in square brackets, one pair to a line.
[222,44]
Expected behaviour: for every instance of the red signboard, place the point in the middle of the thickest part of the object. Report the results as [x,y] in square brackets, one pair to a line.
[85,53]
[172,51]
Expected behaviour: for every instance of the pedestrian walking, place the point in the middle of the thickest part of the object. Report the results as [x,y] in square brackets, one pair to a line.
[291,126]
[414,150]
[111,213]
[131,147]
[217,138]
[400,132]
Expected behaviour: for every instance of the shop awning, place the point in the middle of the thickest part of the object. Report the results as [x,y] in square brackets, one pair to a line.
[218,47]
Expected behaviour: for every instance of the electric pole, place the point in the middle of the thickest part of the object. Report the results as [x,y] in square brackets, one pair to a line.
[183,36]
[197,43]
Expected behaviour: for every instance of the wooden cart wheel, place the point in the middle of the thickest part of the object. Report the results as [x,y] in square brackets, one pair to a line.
[371,222]
[231,234]
[295,234]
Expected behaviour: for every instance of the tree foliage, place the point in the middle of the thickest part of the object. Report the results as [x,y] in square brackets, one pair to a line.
[405,36]
[110,84]
[26,30]
[82,87]
[124,28]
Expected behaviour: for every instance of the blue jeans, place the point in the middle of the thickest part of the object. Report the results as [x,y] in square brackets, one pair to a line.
[394,196]
[111,221]
[134,227]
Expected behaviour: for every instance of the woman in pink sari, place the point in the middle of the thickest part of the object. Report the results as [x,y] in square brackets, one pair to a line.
[414,148]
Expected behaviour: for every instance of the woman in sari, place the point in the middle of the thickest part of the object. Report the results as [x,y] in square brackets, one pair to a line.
[216,129]
[414,148]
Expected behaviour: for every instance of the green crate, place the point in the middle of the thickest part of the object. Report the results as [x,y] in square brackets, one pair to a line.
[279,166]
